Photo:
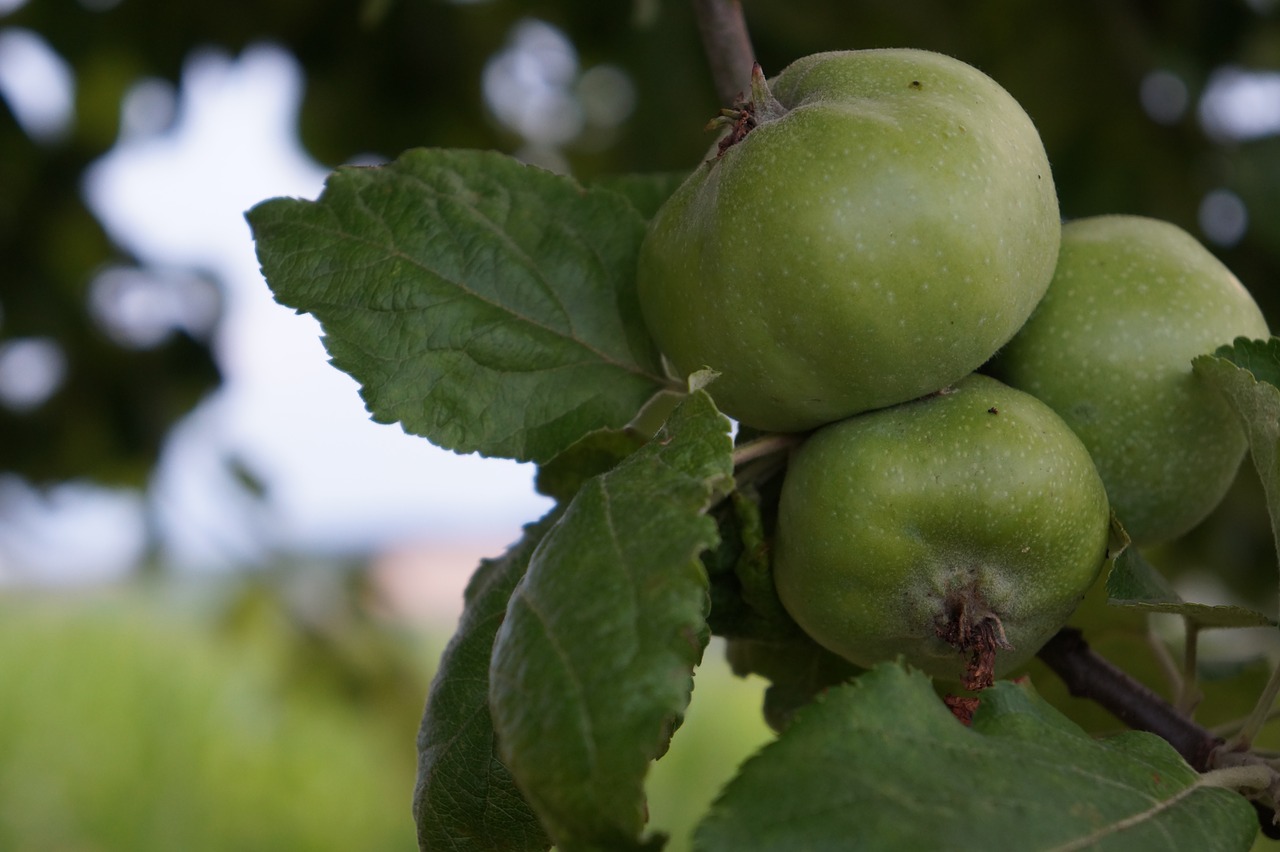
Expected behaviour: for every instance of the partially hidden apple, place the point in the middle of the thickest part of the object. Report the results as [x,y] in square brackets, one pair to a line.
[958,532]
[1132,302]
[876,226]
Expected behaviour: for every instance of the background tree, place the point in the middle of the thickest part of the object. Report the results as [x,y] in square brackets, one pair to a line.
[1132,101]
[385,76]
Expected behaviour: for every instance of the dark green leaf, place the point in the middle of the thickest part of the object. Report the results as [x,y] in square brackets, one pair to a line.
[1247,374]
[465,798]
[1258,357]
[796,667]
[1134,582]
[753,569]
[646,192]
[486,305]
[745,604]
[592,669]
[594,454]
[881,764]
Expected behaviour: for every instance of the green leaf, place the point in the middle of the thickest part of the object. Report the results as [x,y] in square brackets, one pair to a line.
[753,569]
[796,667]
[745,604]
[1247,374]
[592,455]
[483,304]
[1261,358]
[592,669]
[465,798]
[881,764]
[646,192]
[1134,582]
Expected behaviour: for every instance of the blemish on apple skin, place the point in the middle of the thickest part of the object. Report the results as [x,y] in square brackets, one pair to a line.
[916,84]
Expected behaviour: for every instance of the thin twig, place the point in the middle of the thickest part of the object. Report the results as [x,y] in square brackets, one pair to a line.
[1189,693]
[727,44]
[1165,661]
[764,446]
[1244,737]
[1227,729]
[1247,776]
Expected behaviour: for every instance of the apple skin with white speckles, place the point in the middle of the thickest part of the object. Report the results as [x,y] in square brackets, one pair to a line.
[882,238]
[979,494]
[1132,302]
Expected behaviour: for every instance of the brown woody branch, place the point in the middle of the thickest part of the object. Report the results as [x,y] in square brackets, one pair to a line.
[727,44]
[1088,675]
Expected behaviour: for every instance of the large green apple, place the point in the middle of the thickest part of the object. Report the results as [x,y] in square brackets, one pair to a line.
[969,521]
[1132,302]
[885,224]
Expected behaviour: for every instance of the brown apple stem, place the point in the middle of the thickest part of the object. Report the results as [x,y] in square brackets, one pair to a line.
[728,47]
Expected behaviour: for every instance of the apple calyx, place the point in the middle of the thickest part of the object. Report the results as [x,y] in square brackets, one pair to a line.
[970,626]
[962,707]
[747,113]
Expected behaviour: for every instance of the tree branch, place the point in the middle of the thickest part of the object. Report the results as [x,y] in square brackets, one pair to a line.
[727,45]
[1088,675]
[764,446]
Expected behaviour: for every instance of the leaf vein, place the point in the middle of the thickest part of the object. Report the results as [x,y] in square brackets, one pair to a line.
[318,303]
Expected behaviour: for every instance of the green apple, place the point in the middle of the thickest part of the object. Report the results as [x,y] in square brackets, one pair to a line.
[1132,302]
[970,521]
[879,223]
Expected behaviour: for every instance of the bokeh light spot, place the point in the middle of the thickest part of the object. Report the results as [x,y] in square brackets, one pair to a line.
[31,370]
[1223,217]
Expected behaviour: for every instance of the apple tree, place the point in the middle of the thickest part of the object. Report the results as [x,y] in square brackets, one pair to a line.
[914,543]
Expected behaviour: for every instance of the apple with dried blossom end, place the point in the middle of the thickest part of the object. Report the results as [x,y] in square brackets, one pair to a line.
[958,532]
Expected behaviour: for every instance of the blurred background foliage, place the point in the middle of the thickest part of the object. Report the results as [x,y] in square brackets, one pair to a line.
[239,717]
[258,718]
[386,75]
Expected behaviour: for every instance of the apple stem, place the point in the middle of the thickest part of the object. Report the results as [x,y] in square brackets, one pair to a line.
[764,106]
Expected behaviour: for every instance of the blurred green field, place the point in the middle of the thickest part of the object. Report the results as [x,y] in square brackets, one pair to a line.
[141,719]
